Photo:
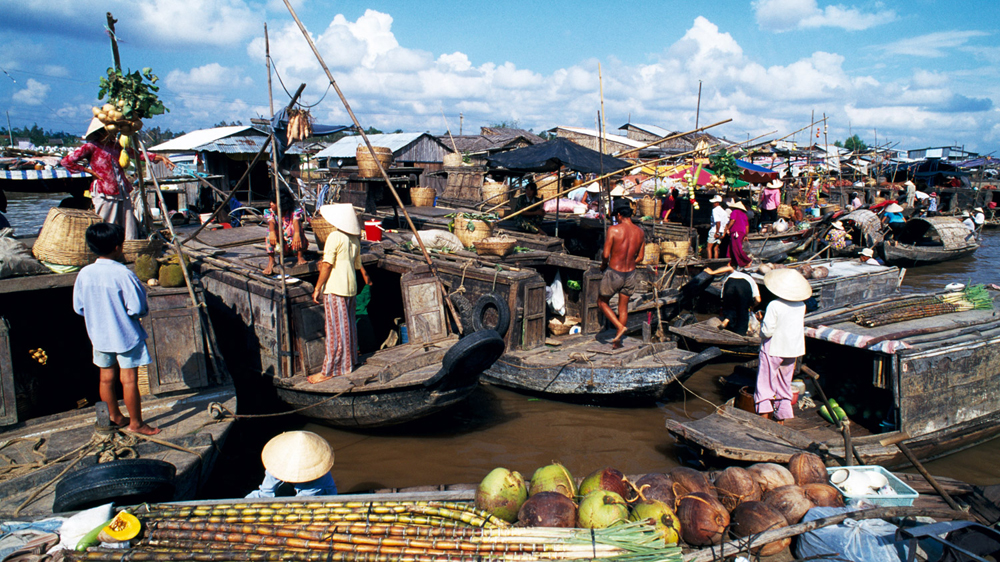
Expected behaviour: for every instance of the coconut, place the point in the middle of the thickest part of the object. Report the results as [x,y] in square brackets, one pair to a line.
[807,468]
[656,486]
[823,495]
[607,478]
[790,501]
[547,509]
[703,519]
[754,517]
[688,481]
[820,272]
[806,271]
[736,485]
[770,476]
[552,478]
[660,516]
[501,494]
[601,509]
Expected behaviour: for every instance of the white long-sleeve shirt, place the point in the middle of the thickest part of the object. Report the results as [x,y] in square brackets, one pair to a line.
[784,325]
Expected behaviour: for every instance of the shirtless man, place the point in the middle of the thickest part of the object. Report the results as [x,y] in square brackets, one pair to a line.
[624,248]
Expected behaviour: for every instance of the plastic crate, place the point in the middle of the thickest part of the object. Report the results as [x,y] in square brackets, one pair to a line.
[904,494]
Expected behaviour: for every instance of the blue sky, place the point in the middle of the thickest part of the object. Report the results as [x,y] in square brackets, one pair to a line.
[921,72]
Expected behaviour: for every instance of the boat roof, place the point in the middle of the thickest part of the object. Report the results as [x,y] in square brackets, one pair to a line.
[952,232]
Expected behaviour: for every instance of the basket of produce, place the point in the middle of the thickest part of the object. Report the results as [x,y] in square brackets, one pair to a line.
[62,240]
[496,245]
[367,168]
[422,196]
[452,160]
[671,250]
[648,207]
[562,327]
[651,255]
[785,211]
[135,248]
[322,229]
[472,227]
[495,193]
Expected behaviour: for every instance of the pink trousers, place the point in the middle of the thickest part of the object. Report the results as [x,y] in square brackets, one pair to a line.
[774,384]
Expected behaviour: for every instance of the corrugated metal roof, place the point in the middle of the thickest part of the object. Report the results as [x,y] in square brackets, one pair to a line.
[614,138]
[651,129]
[242,139]
[347,147]
[195,139]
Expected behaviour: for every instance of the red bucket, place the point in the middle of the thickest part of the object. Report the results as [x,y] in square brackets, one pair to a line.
[373,230]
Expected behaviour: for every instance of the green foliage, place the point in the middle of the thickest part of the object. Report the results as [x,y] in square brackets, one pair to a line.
[724,164]
[137,89]
[35,134]
[154,135]
[372,131]
[854,143]
[505,124]
[838,144]
[224,124]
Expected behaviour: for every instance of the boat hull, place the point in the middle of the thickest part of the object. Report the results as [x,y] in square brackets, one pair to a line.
[908,255]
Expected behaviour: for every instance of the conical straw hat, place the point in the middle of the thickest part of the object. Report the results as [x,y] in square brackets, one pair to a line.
[893,208]
[788,284]
[297,456]
[95,125]
[342,217]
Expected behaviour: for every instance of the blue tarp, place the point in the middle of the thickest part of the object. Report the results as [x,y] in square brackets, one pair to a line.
[755,174]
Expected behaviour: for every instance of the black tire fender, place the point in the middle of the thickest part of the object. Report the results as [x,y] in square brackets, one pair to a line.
[468,358]
[503,312]
[128,481]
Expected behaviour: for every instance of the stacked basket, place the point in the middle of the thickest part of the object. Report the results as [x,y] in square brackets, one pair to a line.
[494,193]
[479,230]
[496,245]
[785,211]
[548,187]
[422,196]
[671,250]
[63,237]
[649,207]
[651,255]
[367,168]
[135,248]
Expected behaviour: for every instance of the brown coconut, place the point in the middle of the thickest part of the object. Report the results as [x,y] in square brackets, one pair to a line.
[807,468]
[823,495]
[736,485]
[688,481]
[820,272]
[656,486]
[547,509]
[790,501]
[754,517]
[806,271]
[703,519]
[770,476]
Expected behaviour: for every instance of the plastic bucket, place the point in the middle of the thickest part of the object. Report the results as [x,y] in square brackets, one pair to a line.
[373,230]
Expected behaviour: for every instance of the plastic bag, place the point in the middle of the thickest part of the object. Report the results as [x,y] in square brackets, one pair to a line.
[565,206]
[868,540]
[439,240]
[554,296]
[74,528]
[780,225]
[16,259]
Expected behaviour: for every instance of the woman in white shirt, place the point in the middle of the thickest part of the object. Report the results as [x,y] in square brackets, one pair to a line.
[783,340]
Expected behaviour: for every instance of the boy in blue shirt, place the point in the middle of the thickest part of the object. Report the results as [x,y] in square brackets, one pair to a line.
[111,300]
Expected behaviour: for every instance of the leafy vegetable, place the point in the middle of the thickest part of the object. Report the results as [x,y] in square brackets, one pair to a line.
[136,89]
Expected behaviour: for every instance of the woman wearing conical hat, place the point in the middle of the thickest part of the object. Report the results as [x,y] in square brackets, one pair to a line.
[782,335]
[338,287]
[298,459]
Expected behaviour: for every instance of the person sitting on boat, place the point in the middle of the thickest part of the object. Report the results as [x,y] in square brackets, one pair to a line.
[624,248]
[530,220]
[932,204]
[292,219]
[782,333]
[770,200]
[299,461]
[737,230]
[338,286]
[867,257]
[837,237]
[856,202]
[669,203]
[740,295]
[720,218]
[968,221]
[979,217]
[893,218]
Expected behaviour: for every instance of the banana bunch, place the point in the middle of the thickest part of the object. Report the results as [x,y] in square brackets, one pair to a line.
[39,355]
[114,119]
[299,126]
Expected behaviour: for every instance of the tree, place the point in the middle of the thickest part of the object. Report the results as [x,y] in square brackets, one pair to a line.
[505,124]
[372,131]
[853,143]
[224,124]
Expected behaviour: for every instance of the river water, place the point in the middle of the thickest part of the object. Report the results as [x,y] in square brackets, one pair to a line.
[496,427]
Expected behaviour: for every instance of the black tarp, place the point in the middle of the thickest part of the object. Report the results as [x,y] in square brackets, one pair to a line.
[549,156]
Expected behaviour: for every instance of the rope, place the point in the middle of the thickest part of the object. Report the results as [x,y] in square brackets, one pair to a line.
[219,411]
[300,104]
[461,285]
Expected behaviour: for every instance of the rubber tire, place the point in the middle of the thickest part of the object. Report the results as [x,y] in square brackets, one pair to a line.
[468,358]
[128,481]
[503,311]
[683,319]
[464,309]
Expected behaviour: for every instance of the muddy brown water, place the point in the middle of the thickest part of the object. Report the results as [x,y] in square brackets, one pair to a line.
[496,427]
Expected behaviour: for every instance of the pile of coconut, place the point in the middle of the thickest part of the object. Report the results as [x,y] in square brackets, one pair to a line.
[683,504]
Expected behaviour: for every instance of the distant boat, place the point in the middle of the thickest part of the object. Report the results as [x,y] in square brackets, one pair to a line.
[924,241]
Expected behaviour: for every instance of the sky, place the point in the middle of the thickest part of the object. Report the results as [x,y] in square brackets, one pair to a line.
[908,74]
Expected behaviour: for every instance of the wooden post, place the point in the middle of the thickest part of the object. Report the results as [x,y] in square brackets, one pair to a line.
[850,453]
[114,41]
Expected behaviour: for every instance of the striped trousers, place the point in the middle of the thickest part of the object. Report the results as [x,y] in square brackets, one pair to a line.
[341,336]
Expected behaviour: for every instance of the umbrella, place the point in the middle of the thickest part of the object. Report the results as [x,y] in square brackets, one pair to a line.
[755,174]
[704,176]
[551,155]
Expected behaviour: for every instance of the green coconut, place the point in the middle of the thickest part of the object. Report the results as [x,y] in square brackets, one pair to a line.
[501,494]
[660,516]
[607,478]
[601,509]
[146,267]
[553,478]
[171,276]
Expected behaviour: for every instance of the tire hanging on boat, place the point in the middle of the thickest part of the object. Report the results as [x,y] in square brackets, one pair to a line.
[485,302]
[127,481]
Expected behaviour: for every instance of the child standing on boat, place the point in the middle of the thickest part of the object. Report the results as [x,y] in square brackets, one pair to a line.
[291,221]
[782,334]
[111,300]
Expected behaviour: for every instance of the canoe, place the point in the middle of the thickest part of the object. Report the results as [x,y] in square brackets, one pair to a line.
[930,240]
[932,378]
[763,247]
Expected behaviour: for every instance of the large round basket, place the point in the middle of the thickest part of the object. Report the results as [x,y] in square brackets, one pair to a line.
[322,229]
[495,193]
[480,230]
[496,246]
[672,250]
[647,207]
[366,164]
[548,187]
[651,255]
[422,196]
[452,160]
[135,248]
[63,237]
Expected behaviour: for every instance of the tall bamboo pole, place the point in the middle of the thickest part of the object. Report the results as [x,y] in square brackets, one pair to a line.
[672,137]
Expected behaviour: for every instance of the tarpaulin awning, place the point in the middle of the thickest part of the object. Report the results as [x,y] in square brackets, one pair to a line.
[704,176]
[551,155]
[755,174]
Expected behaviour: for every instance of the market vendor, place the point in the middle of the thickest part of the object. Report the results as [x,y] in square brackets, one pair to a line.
[298,461]
[837,237]
[530,220]
[867,257]
[720,218]
[856,202]
[782,334]
[669,203]
[740,295]
[111,189]
[893,218]
[737,230]
[770,200]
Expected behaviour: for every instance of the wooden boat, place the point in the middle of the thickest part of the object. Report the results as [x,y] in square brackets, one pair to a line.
[763,247]
[932,378]
[930,240]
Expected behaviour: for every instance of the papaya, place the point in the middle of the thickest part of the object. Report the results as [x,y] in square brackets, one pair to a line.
[841,414]
[825,414]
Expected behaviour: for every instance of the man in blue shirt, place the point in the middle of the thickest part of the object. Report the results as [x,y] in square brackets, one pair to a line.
[111,300]
[300,459]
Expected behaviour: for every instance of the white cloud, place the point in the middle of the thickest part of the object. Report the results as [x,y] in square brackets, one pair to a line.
[33,93]
[211,77]
[932,44]
[786,15]
[197,22]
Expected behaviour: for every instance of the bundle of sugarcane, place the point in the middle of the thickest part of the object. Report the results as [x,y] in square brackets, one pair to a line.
[897,304]
[299,125]
[974,297]
[914,312]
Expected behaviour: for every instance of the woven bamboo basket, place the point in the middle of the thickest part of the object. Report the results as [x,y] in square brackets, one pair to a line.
[785,211]
[422,196]
[496,246]
[548,187]
[452,160]
[135,248]
[366,164]
[877,200]
[562,327]
[647,207]
[481,230]
[673,250]
[651,256]
[63,237]
[495,193]
[322,229]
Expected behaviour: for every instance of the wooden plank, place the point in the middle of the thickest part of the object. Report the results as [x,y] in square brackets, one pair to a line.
[534,315]
[8,397]
[37,282]
[423,306]
[175,342]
